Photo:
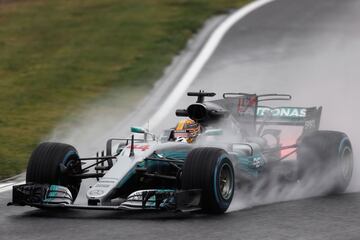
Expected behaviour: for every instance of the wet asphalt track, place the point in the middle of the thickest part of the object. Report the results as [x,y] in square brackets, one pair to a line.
[273,49]
[327,218]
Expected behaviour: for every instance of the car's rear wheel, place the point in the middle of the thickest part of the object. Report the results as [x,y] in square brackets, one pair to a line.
[326,160]
[210,170]
[45,163]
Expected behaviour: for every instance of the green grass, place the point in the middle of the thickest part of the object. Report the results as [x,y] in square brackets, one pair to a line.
[56,56]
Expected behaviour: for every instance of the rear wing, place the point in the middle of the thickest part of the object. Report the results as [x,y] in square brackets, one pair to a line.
[294,116]
[245,109]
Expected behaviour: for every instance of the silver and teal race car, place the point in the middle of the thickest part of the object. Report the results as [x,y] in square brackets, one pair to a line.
[244,140]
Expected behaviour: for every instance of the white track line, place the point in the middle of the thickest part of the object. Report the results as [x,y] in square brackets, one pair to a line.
[192,71]
[4,187]
[201,59]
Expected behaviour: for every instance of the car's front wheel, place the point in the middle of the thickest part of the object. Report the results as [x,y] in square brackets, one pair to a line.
[210,170]
[45,163]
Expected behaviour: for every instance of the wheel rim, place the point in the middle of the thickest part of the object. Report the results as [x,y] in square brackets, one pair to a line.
[346,159]
[226,181]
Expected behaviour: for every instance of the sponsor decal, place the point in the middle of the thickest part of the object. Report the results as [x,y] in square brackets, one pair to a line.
[257,162]
[286,112]
[96,192]
[143,147]
[310,124]
[246,104]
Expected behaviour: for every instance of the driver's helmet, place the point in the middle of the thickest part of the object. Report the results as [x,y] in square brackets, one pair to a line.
[186,131]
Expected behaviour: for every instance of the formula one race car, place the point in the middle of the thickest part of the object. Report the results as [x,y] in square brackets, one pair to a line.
[241,142]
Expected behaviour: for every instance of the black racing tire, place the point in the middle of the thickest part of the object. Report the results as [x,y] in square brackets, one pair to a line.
[325,159]
[210,170]
[44,166]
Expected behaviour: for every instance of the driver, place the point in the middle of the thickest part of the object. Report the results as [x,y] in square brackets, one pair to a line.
[186,131]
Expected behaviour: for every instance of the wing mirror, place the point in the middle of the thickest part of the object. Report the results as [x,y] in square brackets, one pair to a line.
[137,130]
[144,131]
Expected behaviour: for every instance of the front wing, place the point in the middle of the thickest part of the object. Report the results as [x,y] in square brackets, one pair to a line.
[54,196]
